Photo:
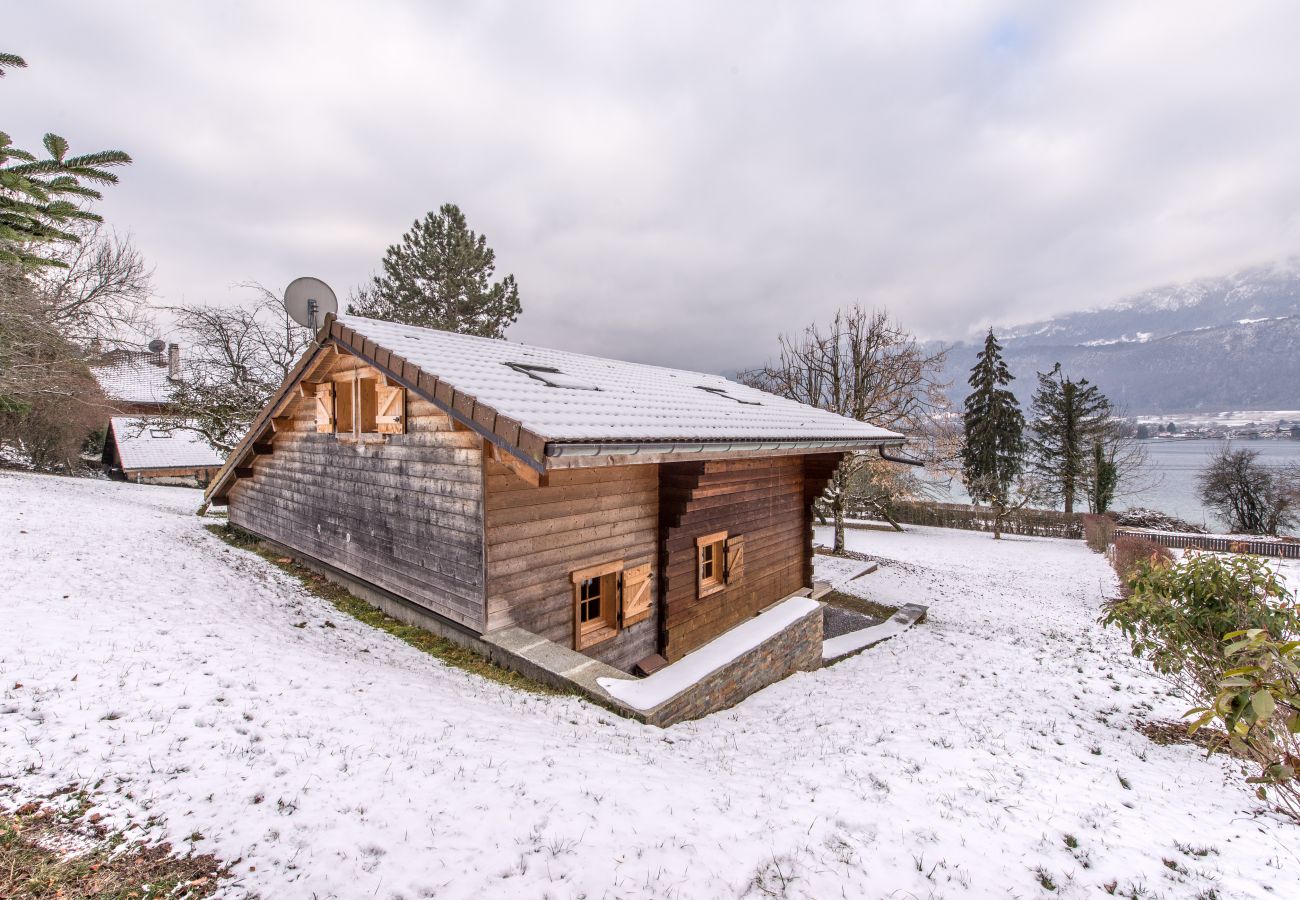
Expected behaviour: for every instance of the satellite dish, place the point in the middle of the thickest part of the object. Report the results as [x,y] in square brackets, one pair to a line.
[157,346]
[308,301]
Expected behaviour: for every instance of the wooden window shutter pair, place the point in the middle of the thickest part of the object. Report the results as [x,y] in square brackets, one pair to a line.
[734,551]
[324,394]
[390,414]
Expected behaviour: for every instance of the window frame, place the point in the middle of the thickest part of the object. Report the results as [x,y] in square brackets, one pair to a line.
[716,543]
[606,626]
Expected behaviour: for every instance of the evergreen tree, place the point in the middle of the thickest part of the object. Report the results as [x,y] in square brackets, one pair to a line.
[440,276]
[40,197]
[993,452]
[1068,417]
[1103,477]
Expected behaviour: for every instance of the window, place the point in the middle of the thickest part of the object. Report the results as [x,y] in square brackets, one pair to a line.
[719,561]
[595,594]
[552,377]
[711,558]
[159,433]
[368,405]
[608,598]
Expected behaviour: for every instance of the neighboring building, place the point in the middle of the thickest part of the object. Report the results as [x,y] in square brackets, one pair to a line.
[133,451]
[139,383]
[630,512]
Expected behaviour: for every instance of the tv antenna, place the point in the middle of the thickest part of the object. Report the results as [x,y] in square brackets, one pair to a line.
[309,300]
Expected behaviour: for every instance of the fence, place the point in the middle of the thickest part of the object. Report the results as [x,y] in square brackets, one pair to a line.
[1260,547]
[1033,522]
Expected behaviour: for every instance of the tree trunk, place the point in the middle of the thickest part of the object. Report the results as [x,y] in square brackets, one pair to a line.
[837,509]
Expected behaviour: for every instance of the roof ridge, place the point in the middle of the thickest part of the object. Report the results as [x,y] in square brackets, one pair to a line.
[590,356]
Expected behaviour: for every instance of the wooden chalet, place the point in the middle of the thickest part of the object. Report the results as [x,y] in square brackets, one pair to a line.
[630,512]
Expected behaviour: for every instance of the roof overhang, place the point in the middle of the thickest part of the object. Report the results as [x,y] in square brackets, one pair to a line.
[572,454]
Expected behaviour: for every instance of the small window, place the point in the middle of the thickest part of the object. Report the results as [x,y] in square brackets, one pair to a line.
[344,395]
[159,433]
[552,377]
[595,596]
[711,555]
[722,392]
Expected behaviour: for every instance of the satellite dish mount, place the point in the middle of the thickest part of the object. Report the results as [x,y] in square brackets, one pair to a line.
[308,301]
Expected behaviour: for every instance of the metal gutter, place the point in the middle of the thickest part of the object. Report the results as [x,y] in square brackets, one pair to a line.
[563,450]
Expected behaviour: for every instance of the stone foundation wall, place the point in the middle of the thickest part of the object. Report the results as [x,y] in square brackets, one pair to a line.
[796,649]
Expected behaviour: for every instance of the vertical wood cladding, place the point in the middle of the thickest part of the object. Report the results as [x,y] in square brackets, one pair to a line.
[401,511]
[762,499]
[537,536]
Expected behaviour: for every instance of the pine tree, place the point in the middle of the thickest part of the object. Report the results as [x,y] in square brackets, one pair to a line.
[39,197]
[1103,477]
[993,452]
[1068,417]
[440,276]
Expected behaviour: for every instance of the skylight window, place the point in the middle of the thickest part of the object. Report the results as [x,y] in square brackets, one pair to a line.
[722,392]
[552,377]
[159,433]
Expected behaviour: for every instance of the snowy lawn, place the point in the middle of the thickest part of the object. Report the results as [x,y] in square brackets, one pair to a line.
[985,753]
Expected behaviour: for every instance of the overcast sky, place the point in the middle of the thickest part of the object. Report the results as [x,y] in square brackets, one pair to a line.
[679,183]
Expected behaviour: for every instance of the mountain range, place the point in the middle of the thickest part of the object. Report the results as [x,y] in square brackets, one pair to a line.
[1231,342]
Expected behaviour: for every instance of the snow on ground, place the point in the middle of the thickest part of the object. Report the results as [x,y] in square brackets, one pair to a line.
[140,653]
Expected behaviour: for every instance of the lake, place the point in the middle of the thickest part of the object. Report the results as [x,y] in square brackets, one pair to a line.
[1173,466]
[1177,463]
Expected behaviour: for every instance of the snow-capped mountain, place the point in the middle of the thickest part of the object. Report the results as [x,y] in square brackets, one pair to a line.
[1216,343]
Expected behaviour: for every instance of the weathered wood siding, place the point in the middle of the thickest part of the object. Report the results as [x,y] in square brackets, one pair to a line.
[403,511]
[762,500]
[537,536]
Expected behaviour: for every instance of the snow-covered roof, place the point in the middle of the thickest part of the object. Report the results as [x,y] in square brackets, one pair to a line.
[142,447]
[134,378]
[563,396]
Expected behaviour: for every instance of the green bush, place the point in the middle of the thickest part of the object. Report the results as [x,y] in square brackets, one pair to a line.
[1178,616]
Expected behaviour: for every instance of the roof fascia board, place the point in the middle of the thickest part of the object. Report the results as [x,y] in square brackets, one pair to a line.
[245,446]
[614,458]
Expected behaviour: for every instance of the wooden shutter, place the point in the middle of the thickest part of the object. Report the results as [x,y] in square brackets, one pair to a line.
[734,550]
[343,406]
[366,390]
[391,415]
[325,407]
[637,598]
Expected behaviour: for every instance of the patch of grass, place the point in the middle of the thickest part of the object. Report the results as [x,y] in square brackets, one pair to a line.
[1071,841]
[447,651]
[45,852]
[1045,879]
[860,605]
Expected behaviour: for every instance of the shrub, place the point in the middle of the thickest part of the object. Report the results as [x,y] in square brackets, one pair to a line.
[1097,531]
[1177,617]
[1129,553]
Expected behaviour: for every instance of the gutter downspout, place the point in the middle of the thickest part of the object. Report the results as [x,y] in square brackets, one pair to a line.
[906,460]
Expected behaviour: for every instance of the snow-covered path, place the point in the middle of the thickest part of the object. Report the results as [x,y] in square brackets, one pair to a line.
[140,653]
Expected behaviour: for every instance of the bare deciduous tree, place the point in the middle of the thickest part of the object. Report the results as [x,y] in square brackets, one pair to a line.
[98,295]
[238,357]
[865,366]
[1252,497]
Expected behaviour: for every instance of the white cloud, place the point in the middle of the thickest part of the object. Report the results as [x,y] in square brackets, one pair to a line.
[678,183]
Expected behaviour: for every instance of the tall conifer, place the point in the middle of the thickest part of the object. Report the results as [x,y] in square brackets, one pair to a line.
[1069,417]
[993,453]
[440,276]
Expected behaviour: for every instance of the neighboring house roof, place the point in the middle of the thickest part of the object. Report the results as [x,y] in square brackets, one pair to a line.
[563,396]
[142,447]
[134,378]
